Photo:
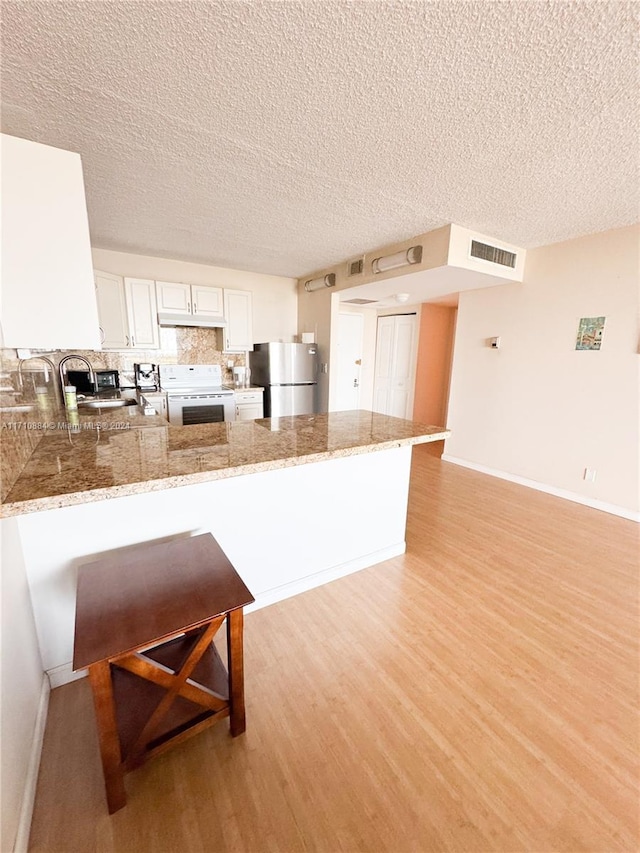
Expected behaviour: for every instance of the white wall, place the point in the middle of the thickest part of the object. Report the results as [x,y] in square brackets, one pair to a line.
[339,521]
[275,300]
[538,408]
[22,683]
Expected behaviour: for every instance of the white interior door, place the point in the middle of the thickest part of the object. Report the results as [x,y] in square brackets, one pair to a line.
[395,365]
[350,334]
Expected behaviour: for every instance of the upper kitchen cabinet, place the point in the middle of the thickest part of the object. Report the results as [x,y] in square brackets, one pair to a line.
[127,312]
[189,299]
[48,295]
[112,310]
[142,313]
[173,297]
[207,301]
[238,332]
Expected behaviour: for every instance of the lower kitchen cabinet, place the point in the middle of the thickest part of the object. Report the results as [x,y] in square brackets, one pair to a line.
[249,404]
[159,402]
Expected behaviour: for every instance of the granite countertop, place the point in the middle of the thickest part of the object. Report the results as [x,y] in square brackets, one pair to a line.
[122,452]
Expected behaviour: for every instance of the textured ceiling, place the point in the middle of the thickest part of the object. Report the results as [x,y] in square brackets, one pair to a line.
[283,137]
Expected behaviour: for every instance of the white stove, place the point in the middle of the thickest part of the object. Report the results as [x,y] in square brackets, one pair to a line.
[195,394]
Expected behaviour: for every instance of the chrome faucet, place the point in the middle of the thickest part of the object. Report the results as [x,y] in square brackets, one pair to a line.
[62,370]
[46,372]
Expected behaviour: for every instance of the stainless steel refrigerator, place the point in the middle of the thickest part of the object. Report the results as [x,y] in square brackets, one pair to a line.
[289,375]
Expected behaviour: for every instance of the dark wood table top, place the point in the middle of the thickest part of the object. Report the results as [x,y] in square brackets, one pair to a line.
[151,591]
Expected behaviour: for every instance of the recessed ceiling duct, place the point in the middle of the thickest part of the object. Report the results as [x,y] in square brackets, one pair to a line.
[355,267]
[493,254]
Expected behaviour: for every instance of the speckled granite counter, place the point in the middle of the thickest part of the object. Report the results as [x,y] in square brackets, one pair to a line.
[121,452]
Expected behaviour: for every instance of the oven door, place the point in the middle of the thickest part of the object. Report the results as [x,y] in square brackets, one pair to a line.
[186,409]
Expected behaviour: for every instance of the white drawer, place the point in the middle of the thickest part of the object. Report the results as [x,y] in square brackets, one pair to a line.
[249,396]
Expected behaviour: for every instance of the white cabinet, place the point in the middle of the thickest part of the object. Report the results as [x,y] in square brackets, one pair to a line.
[142,313]
[207,301]
[48,295]
[159,402]
[126,311]
[112,310]
[189,299]
[173,297]
[238,333]
[249,404]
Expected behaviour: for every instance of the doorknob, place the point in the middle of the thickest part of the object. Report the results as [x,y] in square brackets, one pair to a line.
[356,384]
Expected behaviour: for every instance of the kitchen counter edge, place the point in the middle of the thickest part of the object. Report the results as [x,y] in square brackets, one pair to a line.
[43,504]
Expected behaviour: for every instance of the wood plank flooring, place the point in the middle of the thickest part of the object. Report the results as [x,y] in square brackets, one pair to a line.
[479,693]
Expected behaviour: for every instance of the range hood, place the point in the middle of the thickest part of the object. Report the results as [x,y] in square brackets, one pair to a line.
[203,321]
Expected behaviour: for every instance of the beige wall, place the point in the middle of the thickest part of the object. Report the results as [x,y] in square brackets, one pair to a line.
[433,369]
[537,408]
[275,301]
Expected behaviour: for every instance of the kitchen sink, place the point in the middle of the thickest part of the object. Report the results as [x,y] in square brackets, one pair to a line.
[105,404]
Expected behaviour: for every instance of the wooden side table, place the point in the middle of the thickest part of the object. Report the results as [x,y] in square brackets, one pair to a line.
[145,623]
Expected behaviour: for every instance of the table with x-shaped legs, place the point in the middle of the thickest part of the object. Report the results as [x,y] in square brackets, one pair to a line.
[146,618]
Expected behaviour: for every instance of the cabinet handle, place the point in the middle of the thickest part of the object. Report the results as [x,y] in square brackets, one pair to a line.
[227,343]
[189,307]
[102,334]
[133,343]
[195,308]
[126,337]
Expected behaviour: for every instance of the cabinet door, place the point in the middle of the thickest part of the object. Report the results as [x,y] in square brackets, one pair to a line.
[159,402]
[112,310]
[48,293]
[142,313]
[238,333]
[206,301]
[173,297]
[248,411]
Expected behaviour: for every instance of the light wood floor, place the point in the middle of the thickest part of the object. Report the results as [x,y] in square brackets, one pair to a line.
[479,693]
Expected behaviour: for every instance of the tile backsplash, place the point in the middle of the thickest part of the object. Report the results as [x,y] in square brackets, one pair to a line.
[179,345]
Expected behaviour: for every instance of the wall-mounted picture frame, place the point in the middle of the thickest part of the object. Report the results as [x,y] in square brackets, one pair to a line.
[590,331]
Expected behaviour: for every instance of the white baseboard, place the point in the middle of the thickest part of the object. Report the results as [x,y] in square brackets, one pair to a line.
[271,596]
[29,795]
[64,674]
[613,509]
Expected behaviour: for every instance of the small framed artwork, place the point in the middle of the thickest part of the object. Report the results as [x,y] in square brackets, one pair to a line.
[590,330]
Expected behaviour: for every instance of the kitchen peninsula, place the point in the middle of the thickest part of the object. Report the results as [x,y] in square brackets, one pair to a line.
[294,502]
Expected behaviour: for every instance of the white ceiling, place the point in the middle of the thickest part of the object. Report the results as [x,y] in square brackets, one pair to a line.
[283,137]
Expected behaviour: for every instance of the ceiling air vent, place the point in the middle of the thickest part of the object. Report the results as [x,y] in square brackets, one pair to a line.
[360,301]
[493,254]
[355,267]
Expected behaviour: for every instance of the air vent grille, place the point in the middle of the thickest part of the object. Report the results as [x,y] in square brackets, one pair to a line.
[355,267]
[360,301]
[492,253]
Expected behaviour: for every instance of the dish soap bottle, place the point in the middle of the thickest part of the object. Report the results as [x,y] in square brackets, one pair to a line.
[70,398]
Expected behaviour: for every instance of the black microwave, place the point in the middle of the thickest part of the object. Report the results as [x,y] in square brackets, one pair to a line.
[106,380]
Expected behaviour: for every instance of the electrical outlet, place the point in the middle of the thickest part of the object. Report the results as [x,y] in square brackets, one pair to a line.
[230,364]
[590,475]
